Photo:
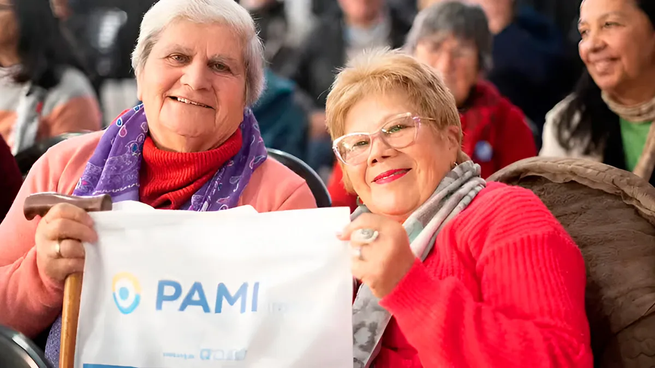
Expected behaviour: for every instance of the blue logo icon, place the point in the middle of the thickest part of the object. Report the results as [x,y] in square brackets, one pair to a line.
[127,292]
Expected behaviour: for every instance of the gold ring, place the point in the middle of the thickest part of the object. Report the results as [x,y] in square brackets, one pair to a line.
[58,249]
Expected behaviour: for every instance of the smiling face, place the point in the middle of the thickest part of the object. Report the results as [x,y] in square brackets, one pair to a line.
[395,182]
[455,59]
[193,86]
[617,46]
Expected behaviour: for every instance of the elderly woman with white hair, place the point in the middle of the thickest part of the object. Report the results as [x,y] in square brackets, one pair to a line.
[192,145]
[454,272]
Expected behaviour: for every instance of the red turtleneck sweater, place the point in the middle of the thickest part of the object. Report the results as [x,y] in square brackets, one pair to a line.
[169,179]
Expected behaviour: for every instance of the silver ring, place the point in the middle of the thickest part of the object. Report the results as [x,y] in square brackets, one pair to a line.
[58,249]
[365,236]
[357,253]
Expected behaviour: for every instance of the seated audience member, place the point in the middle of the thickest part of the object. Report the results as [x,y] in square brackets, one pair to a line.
[43,92]
[532,66]
[10,179]
[339,35]
[282,119]
[193,145]
[609,117]
[455,272]
[454,39]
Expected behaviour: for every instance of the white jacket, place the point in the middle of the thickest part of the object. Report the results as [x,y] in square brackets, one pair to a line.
[551,146]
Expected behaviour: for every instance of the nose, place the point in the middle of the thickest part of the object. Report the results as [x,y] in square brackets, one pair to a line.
[593,43]
[380,150]
[196,75]
[444,64]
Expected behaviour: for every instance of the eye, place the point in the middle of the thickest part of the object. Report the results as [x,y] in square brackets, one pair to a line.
[610,24]
[583,32]
[360,144]
[395,128]
[178,58]
[219,67]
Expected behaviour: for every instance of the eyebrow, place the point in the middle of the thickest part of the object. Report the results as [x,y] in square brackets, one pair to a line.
[606,15]
[218,59]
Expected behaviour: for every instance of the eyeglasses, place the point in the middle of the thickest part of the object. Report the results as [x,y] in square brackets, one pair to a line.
[398,132]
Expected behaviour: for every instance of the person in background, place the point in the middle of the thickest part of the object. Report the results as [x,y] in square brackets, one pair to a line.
[193,145]
[609,117]
[11,179]
[454,272]
[43,91]
[338,36]
[454,39]
[532,66]
[282,118]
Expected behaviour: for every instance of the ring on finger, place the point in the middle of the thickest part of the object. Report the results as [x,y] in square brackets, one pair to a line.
[357,253]
[58,249]
[365,236]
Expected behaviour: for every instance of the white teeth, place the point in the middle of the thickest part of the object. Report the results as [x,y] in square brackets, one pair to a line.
[184,100]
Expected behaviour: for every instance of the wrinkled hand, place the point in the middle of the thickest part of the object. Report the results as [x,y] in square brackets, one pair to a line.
[69,226]
[383,261]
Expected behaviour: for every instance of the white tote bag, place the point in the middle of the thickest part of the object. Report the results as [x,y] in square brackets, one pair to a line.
[224,289]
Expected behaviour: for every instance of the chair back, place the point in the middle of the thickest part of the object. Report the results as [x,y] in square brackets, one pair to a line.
[298,166]
[17,351]
[610,213]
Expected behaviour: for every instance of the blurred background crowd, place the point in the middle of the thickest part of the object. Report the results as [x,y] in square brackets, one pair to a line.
[507,62]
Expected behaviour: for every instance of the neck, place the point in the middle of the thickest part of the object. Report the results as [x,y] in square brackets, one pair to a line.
[636,94]
[363,23]
[8,58]
[176,143]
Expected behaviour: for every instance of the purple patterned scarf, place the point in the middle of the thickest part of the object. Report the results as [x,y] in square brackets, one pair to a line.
[114,169]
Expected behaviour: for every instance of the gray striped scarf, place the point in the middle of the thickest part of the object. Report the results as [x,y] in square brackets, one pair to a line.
[452,196]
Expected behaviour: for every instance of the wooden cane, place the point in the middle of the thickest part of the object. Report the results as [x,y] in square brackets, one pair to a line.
[38,205]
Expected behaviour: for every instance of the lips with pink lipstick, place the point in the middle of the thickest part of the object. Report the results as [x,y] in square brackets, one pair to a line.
[390,176]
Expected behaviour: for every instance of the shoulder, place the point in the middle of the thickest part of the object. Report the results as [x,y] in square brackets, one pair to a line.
[62,165]
[273,185]
[502,213]
[73,84]
[551,146]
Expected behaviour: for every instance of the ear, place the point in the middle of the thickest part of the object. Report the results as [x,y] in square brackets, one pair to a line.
[452,139]
[139,83]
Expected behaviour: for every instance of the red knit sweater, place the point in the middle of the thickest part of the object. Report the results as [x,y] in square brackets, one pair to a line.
[169,179]
[503,287]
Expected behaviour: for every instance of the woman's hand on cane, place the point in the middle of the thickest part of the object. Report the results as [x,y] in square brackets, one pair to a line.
[59,237]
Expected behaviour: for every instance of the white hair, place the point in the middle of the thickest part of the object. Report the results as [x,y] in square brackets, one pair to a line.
[227,12]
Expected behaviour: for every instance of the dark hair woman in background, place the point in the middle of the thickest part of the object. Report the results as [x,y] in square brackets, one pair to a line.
[609,117]
[43,91]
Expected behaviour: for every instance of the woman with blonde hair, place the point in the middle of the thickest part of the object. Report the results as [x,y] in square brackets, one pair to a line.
[454,272]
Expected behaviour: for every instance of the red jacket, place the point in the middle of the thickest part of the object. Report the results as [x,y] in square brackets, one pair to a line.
[495,135]
[503,287]
[10,179]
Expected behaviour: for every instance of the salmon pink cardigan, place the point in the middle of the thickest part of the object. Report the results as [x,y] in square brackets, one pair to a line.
[29,301]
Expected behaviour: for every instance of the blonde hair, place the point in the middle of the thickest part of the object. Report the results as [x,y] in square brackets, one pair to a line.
[384,71]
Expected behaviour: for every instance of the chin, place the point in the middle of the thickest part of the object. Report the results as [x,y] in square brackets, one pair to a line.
[394,206]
